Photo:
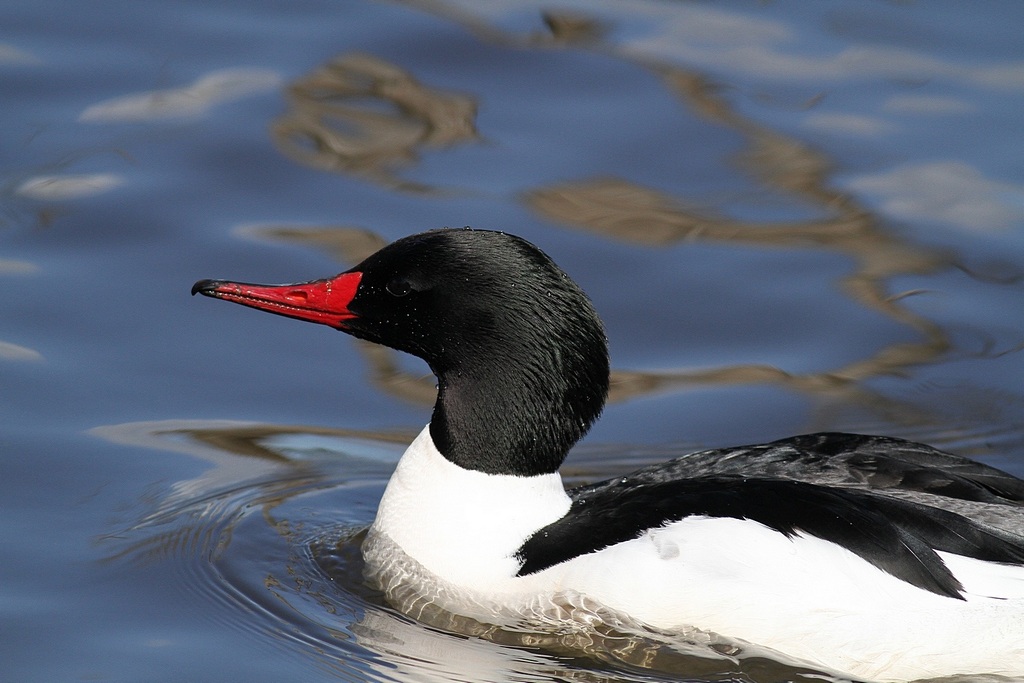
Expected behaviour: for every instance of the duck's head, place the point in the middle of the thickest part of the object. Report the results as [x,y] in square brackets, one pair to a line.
[518,350]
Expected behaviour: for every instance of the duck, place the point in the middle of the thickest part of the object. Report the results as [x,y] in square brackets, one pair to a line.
[868,556]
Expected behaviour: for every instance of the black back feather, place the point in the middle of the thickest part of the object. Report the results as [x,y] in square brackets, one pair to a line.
[897,536]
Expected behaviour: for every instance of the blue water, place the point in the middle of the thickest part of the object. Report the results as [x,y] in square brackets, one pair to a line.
[791,216]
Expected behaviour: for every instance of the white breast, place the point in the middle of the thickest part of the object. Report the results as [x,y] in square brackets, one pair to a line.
[462,525]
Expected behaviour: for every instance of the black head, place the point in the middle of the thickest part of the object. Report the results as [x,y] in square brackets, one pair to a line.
[518,350]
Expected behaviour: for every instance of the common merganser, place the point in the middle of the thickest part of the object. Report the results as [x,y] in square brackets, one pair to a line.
[871,556]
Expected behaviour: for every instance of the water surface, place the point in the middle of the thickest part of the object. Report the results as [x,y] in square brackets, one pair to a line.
[792,217]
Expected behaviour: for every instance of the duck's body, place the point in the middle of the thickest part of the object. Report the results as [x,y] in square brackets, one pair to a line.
[874,557]
[803,596]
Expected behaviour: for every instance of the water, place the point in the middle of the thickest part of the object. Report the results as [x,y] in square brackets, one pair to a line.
[792,216]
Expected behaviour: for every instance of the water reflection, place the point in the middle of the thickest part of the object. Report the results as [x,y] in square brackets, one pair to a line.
[9,351]
[15,267]
[631,213]
[946,192]
[760,45]
[216,87]
[12,55]
[72,186]
[361,115]
[764,44]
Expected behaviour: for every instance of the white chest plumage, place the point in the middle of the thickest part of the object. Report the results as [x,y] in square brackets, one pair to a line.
[462,525]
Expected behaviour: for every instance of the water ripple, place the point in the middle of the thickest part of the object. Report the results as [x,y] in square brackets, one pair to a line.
[273,549]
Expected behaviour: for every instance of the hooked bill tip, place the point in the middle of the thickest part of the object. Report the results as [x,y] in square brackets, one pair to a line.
[204,286]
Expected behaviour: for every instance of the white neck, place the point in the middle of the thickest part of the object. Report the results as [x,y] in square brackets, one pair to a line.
[462,525]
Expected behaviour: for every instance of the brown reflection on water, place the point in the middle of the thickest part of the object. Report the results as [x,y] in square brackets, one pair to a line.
[622,210]
[195,517]
[361,115]
[345,244]
[220,442]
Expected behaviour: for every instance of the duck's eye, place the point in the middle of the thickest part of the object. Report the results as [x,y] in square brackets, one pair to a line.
[398,287]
